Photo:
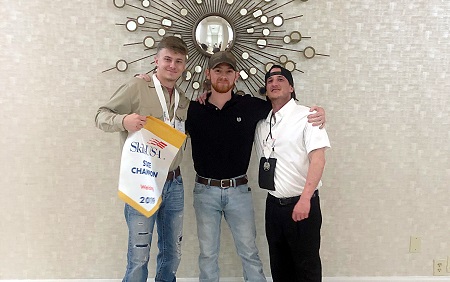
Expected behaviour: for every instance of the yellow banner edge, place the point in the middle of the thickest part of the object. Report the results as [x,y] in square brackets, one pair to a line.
[165,132]
[138,207]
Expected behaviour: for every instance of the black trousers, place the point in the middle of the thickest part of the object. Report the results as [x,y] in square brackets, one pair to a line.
[293,246]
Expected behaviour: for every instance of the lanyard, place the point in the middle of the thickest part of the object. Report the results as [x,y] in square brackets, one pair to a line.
[162,101]
[269,143]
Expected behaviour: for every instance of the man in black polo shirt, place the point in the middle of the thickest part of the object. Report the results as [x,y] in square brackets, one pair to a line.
[222,132]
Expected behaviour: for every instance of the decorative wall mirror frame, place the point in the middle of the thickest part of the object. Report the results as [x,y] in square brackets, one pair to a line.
[251,31]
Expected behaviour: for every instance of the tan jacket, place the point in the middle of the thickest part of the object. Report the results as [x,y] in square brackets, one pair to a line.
[138,96]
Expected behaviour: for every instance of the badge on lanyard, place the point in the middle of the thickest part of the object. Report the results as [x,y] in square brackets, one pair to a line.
[267,163]
[179,125]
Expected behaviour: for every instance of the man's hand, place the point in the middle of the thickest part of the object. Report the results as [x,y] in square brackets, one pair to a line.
[301,210]
[317,118]
[143,76]
[134,122]
[202,98]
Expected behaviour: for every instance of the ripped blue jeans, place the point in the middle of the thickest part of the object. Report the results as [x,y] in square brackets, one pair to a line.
[169,225]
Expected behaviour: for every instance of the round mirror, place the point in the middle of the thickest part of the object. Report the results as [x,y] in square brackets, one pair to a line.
[230,2]
[198,69]
[266,32]
[199,1]
[213,33]
[141,20]
[149,42]
[245,55]
[243,12]
[161,32]
[283,59]
[184,12]
[119,3]
[146,3]
[187,75]
[131,25]
[290,66]
[296,36]
[264,19]
[268,66]
[121,65]
[196,85]
[278,21]
[309,52]
[253,70]
[287,39]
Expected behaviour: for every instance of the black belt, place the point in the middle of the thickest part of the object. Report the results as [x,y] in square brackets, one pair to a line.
[222,183]
[288,201]
[173,174]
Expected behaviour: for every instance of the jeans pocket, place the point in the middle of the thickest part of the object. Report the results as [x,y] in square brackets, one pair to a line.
[178,179]
[244,189]
[199,188]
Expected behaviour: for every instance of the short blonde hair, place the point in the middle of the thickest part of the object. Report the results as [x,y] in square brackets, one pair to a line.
[173,43]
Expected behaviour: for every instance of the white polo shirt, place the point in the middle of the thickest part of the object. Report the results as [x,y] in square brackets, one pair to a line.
[293,139]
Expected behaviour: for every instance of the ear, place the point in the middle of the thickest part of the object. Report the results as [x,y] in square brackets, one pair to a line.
[156,59]
[207,74]
[237,76]
[291,89]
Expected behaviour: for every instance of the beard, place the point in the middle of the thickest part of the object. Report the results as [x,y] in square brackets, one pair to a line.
[223,87]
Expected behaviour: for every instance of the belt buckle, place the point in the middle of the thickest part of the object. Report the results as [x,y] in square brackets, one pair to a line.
[223,186]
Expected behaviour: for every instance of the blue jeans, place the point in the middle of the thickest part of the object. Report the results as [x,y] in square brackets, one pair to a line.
[169,224]
[235,203]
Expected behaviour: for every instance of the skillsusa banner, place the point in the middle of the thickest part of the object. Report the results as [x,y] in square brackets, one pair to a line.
[146,157]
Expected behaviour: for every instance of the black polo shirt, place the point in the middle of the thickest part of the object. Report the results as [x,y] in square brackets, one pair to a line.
[222,139]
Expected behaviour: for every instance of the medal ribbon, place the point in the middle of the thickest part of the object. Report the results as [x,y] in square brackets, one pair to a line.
[163,102]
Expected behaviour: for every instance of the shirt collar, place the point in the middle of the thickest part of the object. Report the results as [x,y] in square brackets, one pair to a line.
[229,102]
[284,111]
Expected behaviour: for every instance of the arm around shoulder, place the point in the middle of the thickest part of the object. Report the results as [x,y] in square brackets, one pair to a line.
[317,118]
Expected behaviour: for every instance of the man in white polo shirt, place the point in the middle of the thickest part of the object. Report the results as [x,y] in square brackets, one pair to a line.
[292,159]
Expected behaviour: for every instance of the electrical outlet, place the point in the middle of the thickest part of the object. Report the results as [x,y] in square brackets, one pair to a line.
[439,267]
[414,244]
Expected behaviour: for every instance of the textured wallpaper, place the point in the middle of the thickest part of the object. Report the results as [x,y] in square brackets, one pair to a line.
[385,89]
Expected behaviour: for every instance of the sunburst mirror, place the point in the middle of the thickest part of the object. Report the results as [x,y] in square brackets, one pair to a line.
[252,31]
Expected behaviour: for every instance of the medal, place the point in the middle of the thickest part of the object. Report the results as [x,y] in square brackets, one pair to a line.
[266,166]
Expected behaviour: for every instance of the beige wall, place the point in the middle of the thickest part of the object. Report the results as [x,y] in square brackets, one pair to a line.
[385,88]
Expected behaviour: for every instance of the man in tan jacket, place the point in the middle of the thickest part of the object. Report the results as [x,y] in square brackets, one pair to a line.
[125,112]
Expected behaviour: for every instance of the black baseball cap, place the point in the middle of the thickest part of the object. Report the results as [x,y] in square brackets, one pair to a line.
[284,72]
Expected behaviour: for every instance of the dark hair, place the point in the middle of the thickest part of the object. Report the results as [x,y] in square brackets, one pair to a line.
[173,43]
